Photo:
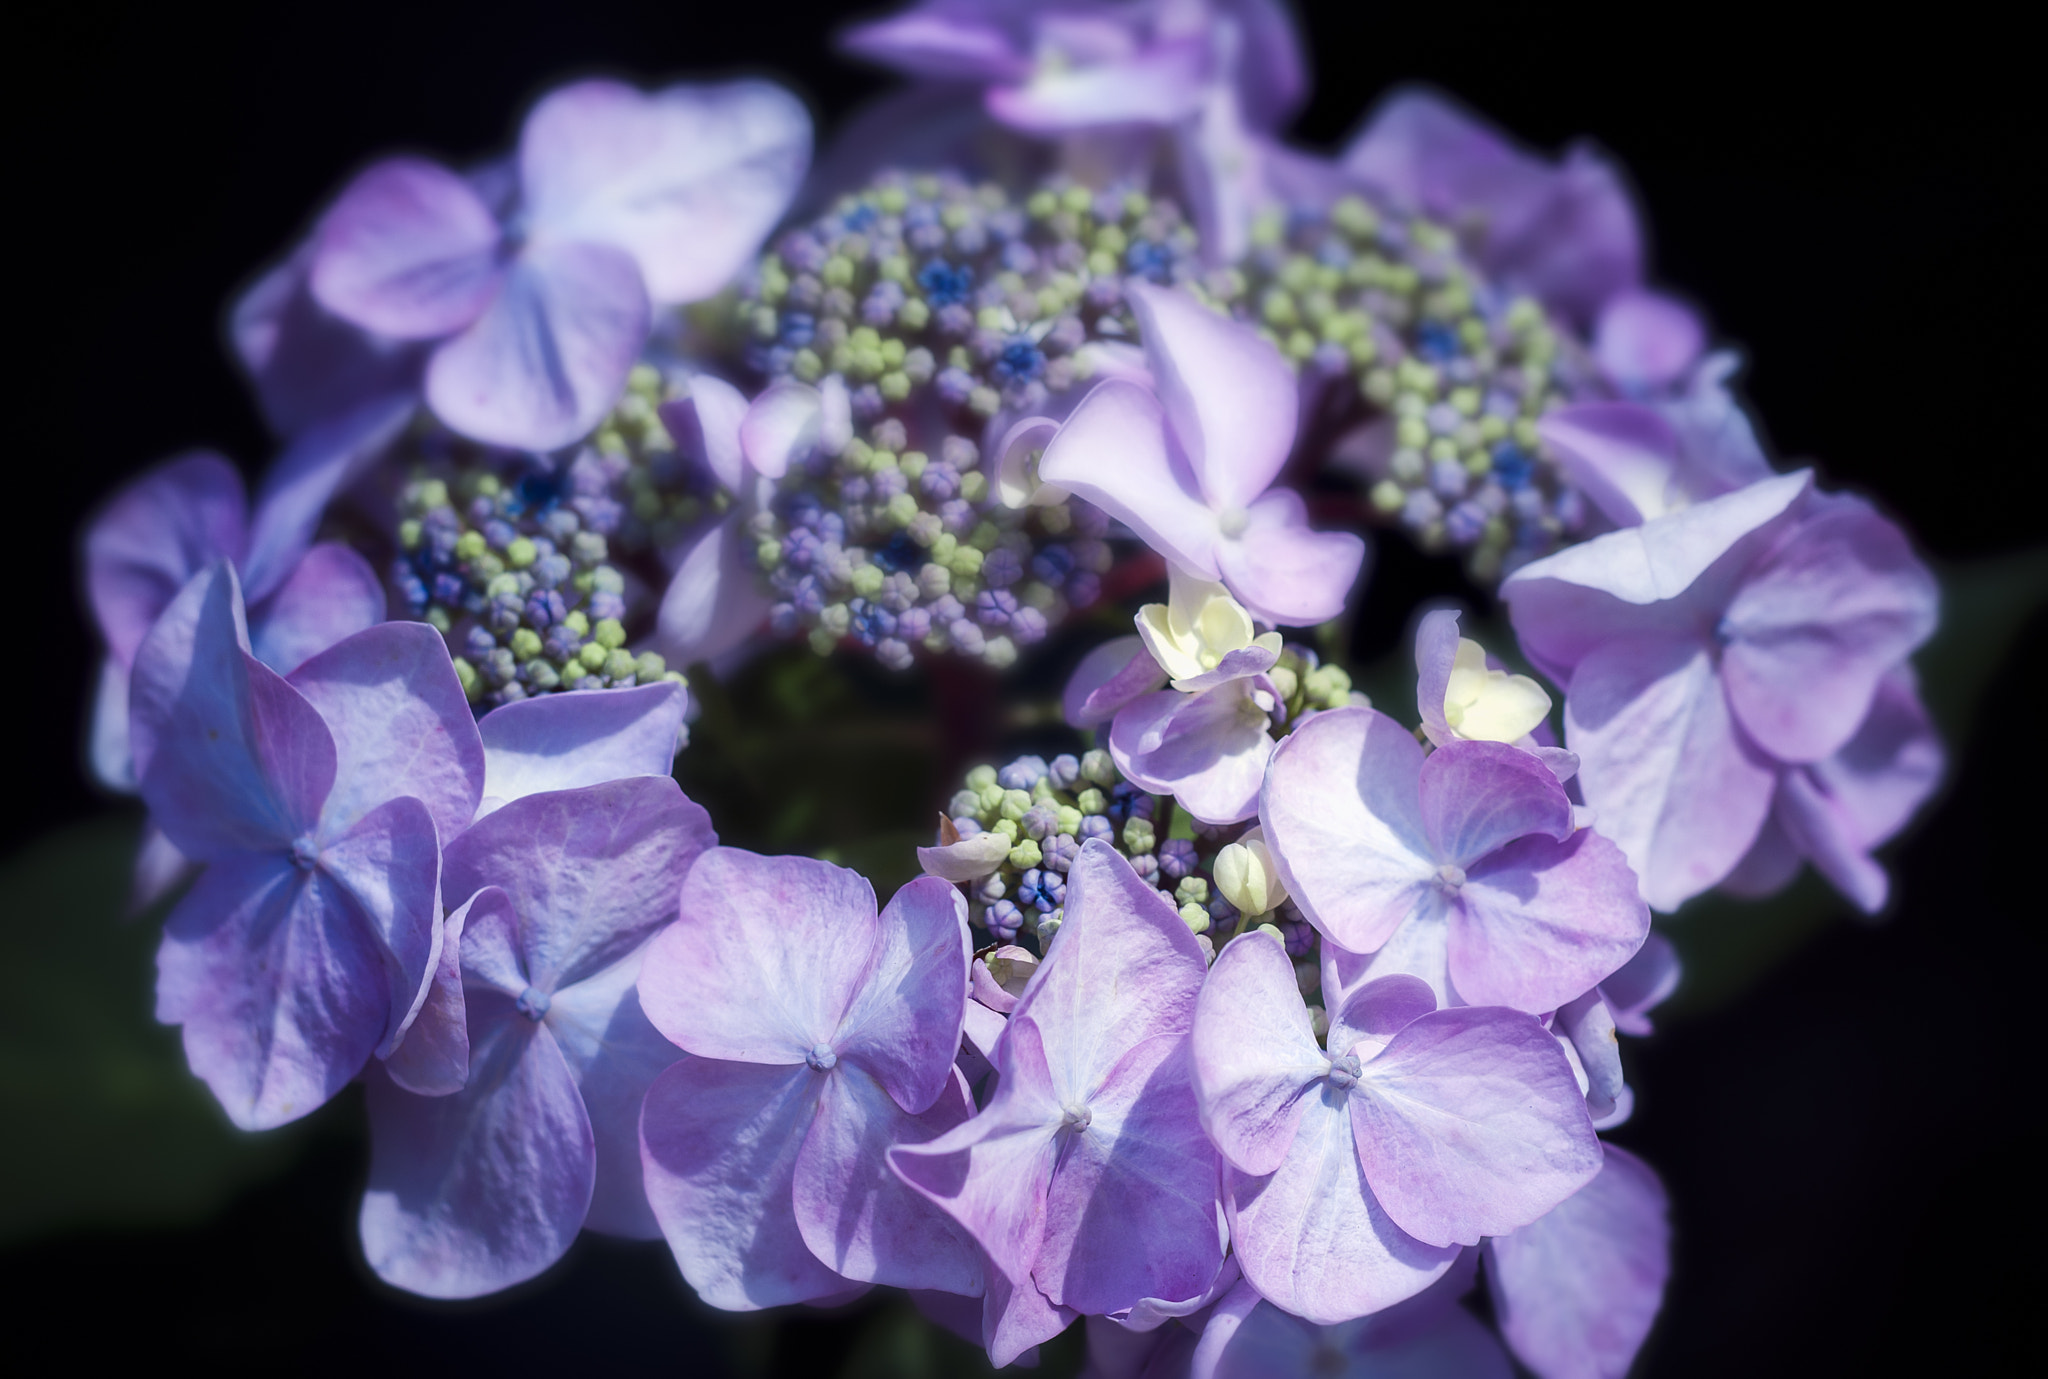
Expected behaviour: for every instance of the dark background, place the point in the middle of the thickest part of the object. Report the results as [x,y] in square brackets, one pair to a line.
[1852,1145]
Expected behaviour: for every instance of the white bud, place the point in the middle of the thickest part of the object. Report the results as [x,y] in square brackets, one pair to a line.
[1247,877]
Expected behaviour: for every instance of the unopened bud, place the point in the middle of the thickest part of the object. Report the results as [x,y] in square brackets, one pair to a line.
[1246,876]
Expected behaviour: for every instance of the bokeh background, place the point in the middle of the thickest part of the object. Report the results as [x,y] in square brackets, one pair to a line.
[1845,1113]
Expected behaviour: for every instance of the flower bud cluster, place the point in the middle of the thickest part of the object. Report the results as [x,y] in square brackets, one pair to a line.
[1454,371]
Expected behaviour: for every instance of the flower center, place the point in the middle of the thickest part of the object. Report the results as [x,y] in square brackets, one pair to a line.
[533,1003]
[821,1058]
[305,852]
[1075,1116]
[1344,1070]
[1450,876]
[1233,521]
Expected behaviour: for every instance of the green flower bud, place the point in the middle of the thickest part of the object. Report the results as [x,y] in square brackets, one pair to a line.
[649,667]
[578,622]
[525,644]
[520,553]
[1015,803]
[1026,854]
[1196,918]
[1192,890]
[1091,801]
[1138,836]
[591,657]
[981,777]
[608,634]
[1098,767]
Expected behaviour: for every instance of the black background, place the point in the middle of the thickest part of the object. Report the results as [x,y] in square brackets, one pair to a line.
[1853,1149]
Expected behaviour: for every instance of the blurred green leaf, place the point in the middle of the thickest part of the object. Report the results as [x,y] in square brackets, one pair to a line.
[104,1124]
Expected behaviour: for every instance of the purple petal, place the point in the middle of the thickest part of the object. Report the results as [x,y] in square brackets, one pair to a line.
[1587,1024]
[715,601]
[401,726]
[1436,652]
[333,594]
[706,427]
[408,250]
[1285,573]
[1576,1291]
[1152,1313]
[1372,1010]
[568,741]
[549,357]
[857,1215]
[970,859]
[722,983]
[1444,1343]
[230,758]
[719,1144]
[1769,865]
[1208,750]
[1343,818]
[1809,821]
[389,864]
[153,536]
[1470,1123]
[1017,1318]
[941,43]
[592,873]
[475,1192]
[1626,458]
[1114,451]
[615,1055]
[1540,921]
[1818,623]
[903,1027]
[1159,86]
[1229,395]
[1109,677]
[1675,782]
[107,750]
[325,459]
[781,427]
[159,869]
[433,1058]
[1478,797]
[1647,340]
[1644,982]
[1419,948]
[1312,1237]
[1255,1054]
[688,180]
[305,363]
[1271,77]
[1887,771]
[1584,245]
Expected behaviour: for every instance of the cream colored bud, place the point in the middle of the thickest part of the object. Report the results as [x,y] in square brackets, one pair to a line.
[1247,877]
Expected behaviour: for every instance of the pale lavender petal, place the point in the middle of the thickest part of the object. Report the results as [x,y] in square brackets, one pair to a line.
[1470,1123]
[1312,1237]
[1109,677]
[1477,797]
[715,601]
[153,536]
[592,872]
[903,1026]
[1644,982]
[1769,865]
[1285,573]
[549,357]
[1541,921]
[1645,339]
[781,427]
[408,250]
[1208,750]
[389,864]
[1675,782]
[568,741]
[942,43]
[1887,771]
[981,1027]
[401,726]
[688,180]
[1582,247]
[615,1055]
[159,869]
[433,1058]
[322,461]
[1588,1024]
[1272,76]
[305,363]
[1624,457]
[856,1215]
[1158,86]
[1436,652]
[1373,1008]
[107,750]
[1818,623]
[1447,1343]
[1132,1211]
[718,1145]
[1221,1328]
[1255,1054]
[1114,451]
[706,427]
[1575,1292]
[1809,819]
[1343,819]
[332,594]
[475,1192]
[766,959]
[1017,1318]
[970,859]
[1152,1313]
[1229,395]
[1420,948]
[230,758]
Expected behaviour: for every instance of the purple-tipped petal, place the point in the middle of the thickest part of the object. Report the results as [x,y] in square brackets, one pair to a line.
[1540,921]
[1229,395]
[1114,451]
[1675,782]
[766,960]
[715,601]
[1208,750]
[1576,1291]
[1470,1123]
[408,250]
[401,726]
[1478,797]
[568,741]
[324,460]
[332,595]
[1818,623]
[1343,819]
[433,1058]
[1647,340]
[615,1055]
[1109,677]
[549,357]
[706,427]
[718,1144]
[1159,86]
[154,535]
[1256,1059]
[1285,573]
[592,873]
[475,1192]
[688,180]
[903,1027]
[855,1214]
